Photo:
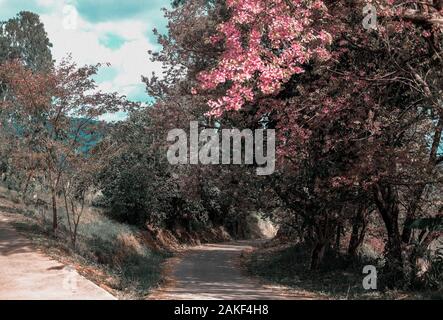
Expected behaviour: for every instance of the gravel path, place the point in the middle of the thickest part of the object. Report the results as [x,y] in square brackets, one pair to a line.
[213,272]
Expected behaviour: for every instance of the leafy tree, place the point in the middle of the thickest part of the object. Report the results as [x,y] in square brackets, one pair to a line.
[356,111]
[24,38]
[52,115]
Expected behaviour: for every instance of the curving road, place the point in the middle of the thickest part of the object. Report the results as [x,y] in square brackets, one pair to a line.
[213,272]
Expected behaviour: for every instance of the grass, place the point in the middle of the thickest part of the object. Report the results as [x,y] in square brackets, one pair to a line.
[339,278]
[111,254]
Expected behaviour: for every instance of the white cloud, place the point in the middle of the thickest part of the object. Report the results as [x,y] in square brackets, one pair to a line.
[130,61]
[46,3]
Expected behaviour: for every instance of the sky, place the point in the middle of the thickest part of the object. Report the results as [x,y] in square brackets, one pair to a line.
[118,32]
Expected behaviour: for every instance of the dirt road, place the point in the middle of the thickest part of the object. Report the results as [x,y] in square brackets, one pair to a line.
[26,274]
[213,272]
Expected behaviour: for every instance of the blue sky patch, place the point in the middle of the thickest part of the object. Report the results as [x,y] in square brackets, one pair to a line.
[111,10]
[9,8]
[106,74]
[112,41]
[138,94]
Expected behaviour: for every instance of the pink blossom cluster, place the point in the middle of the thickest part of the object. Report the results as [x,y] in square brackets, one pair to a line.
[266,42]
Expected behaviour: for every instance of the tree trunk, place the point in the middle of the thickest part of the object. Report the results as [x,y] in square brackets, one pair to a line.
[387,202]
[354,241]
[358,232]
[54,212]
[74,237]
[25,189]
[338,238]
[412,214]
[394,267]
[317,255]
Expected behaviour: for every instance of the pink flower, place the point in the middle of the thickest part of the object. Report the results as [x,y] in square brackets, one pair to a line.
[252,64]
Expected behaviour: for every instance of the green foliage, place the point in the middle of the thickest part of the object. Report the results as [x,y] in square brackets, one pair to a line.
[434,276]
[431,224]
[289,266]
[138,184]
[24,38]
[129,187]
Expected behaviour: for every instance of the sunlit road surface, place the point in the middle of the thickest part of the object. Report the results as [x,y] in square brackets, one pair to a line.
[26,274]
[213,272]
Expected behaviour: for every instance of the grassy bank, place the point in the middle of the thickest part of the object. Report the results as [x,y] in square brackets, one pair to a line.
[340,279]
[113,255]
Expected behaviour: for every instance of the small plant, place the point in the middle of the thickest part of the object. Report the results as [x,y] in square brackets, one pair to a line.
[433,278]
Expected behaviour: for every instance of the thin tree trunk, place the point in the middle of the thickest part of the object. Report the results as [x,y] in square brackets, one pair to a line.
[317,255]
[338,238]
[358,232]
[68,217]
[54,212]
[28,180]
[411,214]
[387,203]
[353,242]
